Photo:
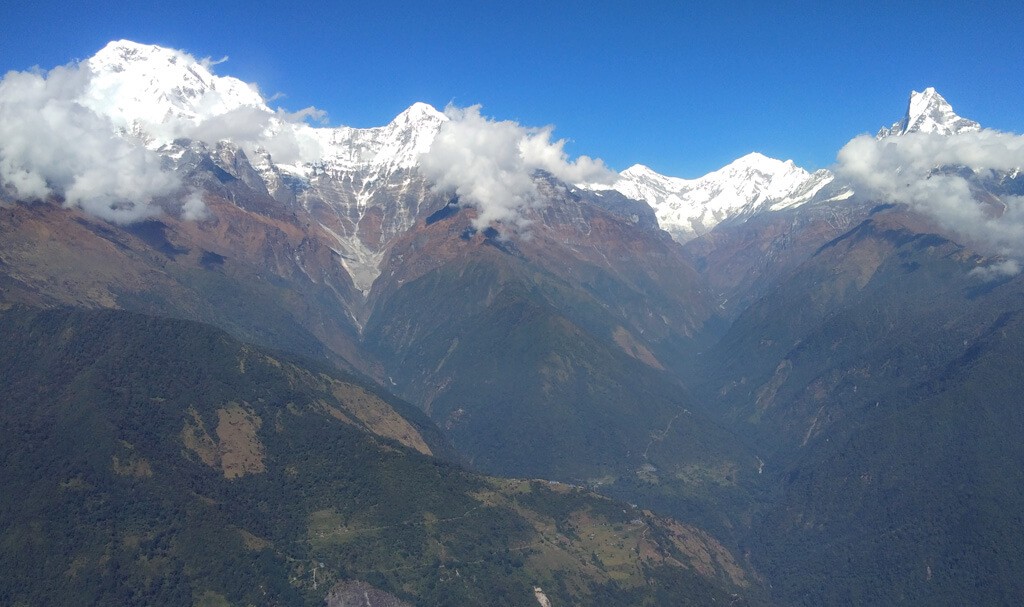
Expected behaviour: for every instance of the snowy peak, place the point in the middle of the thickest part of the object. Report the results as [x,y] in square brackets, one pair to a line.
[342,175]
[395,146]
[420,113]
[639,174]
[687,208]
[770,174]
[756,165]
[160,94]
[148,85]
[929,112]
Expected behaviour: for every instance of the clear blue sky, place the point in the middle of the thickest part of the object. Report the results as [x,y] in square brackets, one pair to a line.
[684,89]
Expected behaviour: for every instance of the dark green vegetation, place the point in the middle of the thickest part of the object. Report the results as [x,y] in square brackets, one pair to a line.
[156,461]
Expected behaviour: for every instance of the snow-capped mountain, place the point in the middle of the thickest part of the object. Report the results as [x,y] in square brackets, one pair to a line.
[166,93]
[359,183]
[363,185]
[159,91]
[687,208]
[929,112]
[396,146]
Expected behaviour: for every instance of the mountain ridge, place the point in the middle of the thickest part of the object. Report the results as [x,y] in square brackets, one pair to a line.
[688,208]
[341,173]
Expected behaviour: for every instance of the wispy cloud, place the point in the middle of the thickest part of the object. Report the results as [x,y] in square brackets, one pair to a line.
[209,62]
[490,165]
[243,125]
[307,114]
[1000,269]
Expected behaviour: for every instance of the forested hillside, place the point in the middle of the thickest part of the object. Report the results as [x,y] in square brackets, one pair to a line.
[154,461]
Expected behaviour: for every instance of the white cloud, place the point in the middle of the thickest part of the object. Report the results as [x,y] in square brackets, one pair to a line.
[1008,267]
[306,114]
[193,208]
[243,126]
[919,169]
[51,145]
[285,135]
[490,165]
[209,62]
[288,142]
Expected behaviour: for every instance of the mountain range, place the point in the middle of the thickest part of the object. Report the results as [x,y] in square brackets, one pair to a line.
[808,376]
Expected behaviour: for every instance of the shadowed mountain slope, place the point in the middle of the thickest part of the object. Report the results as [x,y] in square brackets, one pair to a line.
[881,381]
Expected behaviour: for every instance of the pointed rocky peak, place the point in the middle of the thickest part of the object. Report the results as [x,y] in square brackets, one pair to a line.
[929,112]
[417,125]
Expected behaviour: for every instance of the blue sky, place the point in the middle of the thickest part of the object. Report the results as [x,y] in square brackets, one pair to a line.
[684,89]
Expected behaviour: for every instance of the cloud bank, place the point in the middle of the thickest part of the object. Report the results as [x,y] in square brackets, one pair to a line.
[930,173]
[50,145]
[490,165]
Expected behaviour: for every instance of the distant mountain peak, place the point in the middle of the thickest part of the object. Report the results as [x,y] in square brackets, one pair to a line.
[637,169]
[414,130]
[757,158]
[929,112]
[420,111]
[687,208]
[757,162]
[124,50]
[157,95]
